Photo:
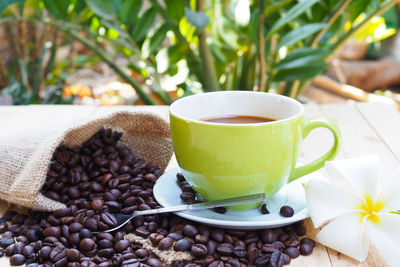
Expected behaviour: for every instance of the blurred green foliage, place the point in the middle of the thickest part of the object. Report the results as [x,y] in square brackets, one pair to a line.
[207,45]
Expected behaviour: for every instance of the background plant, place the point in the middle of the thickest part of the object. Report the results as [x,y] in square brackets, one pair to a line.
[209,45]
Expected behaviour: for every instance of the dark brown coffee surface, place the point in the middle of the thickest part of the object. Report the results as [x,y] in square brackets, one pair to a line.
[237,119]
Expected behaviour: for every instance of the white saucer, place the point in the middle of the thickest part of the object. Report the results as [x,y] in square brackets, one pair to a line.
[167,192]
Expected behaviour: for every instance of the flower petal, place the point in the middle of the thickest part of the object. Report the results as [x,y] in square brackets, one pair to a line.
[326,200]
[346,234]
[390,193]
[362,173]
[385,235]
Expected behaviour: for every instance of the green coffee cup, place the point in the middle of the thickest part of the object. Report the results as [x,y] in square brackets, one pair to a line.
[221,160]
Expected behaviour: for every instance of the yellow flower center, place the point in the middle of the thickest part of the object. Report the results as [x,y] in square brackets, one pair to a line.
[369,209]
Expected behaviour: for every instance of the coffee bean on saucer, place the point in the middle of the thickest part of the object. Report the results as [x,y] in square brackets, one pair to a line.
[180,177]
[264,209]
[221,210]
[188,197]
[286,211]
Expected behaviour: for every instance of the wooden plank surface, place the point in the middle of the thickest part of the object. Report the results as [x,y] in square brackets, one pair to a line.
[366,129]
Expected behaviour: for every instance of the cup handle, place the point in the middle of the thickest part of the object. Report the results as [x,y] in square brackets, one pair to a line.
[309,125]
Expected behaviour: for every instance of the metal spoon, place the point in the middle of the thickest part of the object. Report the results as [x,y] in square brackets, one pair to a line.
[123,219]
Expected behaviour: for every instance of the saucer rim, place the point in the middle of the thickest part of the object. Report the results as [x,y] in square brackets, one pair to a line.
[300,215]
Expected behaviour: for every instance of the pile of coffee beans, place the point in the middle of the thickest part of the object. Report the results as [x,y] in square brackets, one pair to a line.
[101,178]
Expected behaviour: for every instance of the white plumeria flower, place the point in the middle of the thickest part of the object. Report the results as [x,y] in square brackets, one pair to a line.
[358,207]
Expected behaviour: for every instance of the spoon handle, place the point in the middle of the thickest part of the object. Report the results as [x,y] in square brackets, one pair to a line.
[206,205]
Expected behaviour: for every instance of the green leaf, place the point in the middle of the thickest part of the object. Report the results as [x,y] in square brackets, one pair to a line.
[357,7]
[197,19]
[129,11]
[298,62]
[300,34]
[57,9]
[302,73]
[294,12]
[175,9]
[102,8]
[271,9]
[254,25]
[144,23]
[152,42]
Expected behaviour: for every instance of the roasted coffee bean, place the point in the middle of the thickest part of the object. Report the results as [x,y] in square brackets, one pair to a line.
[17,259]
[175,236]
[91,224]
[142,253]
[18,219]
[121,245]
[218,235]
[276,259]
[292,252]
[264,209]
[44,252]
[75,227]
[97,204]
[9,250]
[286,211]
[4,242]
[240,251]
[217,263]
[18,248]
[306,249]
[87,244]
[73,254]
[262,260]
[52,231]
[291,242]
[143,232]
[225,249]
[187,196]
[165,243]
[307,241]
[202,239]
[153,262]
[155,238]
[75,238]
[300,229]
[3,227]
[58,253]
[252,252]
[106,252]
[199,250]
[109,219]
[189,230]
[182,245]
[221,210]
[286,258]
[268,236]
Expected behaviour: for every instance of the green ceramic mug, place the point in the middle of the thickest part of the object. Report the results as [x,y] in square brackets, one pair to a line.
[221,160]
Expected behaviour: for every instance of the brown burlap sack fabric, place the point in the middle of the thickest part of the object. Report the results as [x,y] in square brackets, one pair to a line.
[30,135]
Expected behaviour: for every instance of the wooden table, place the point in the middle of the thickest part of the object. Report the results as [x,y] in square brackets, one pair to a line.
[366,129]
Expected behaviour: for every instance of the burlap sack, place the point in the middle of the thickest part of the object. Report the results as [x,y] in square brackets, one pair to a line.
[30,135]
